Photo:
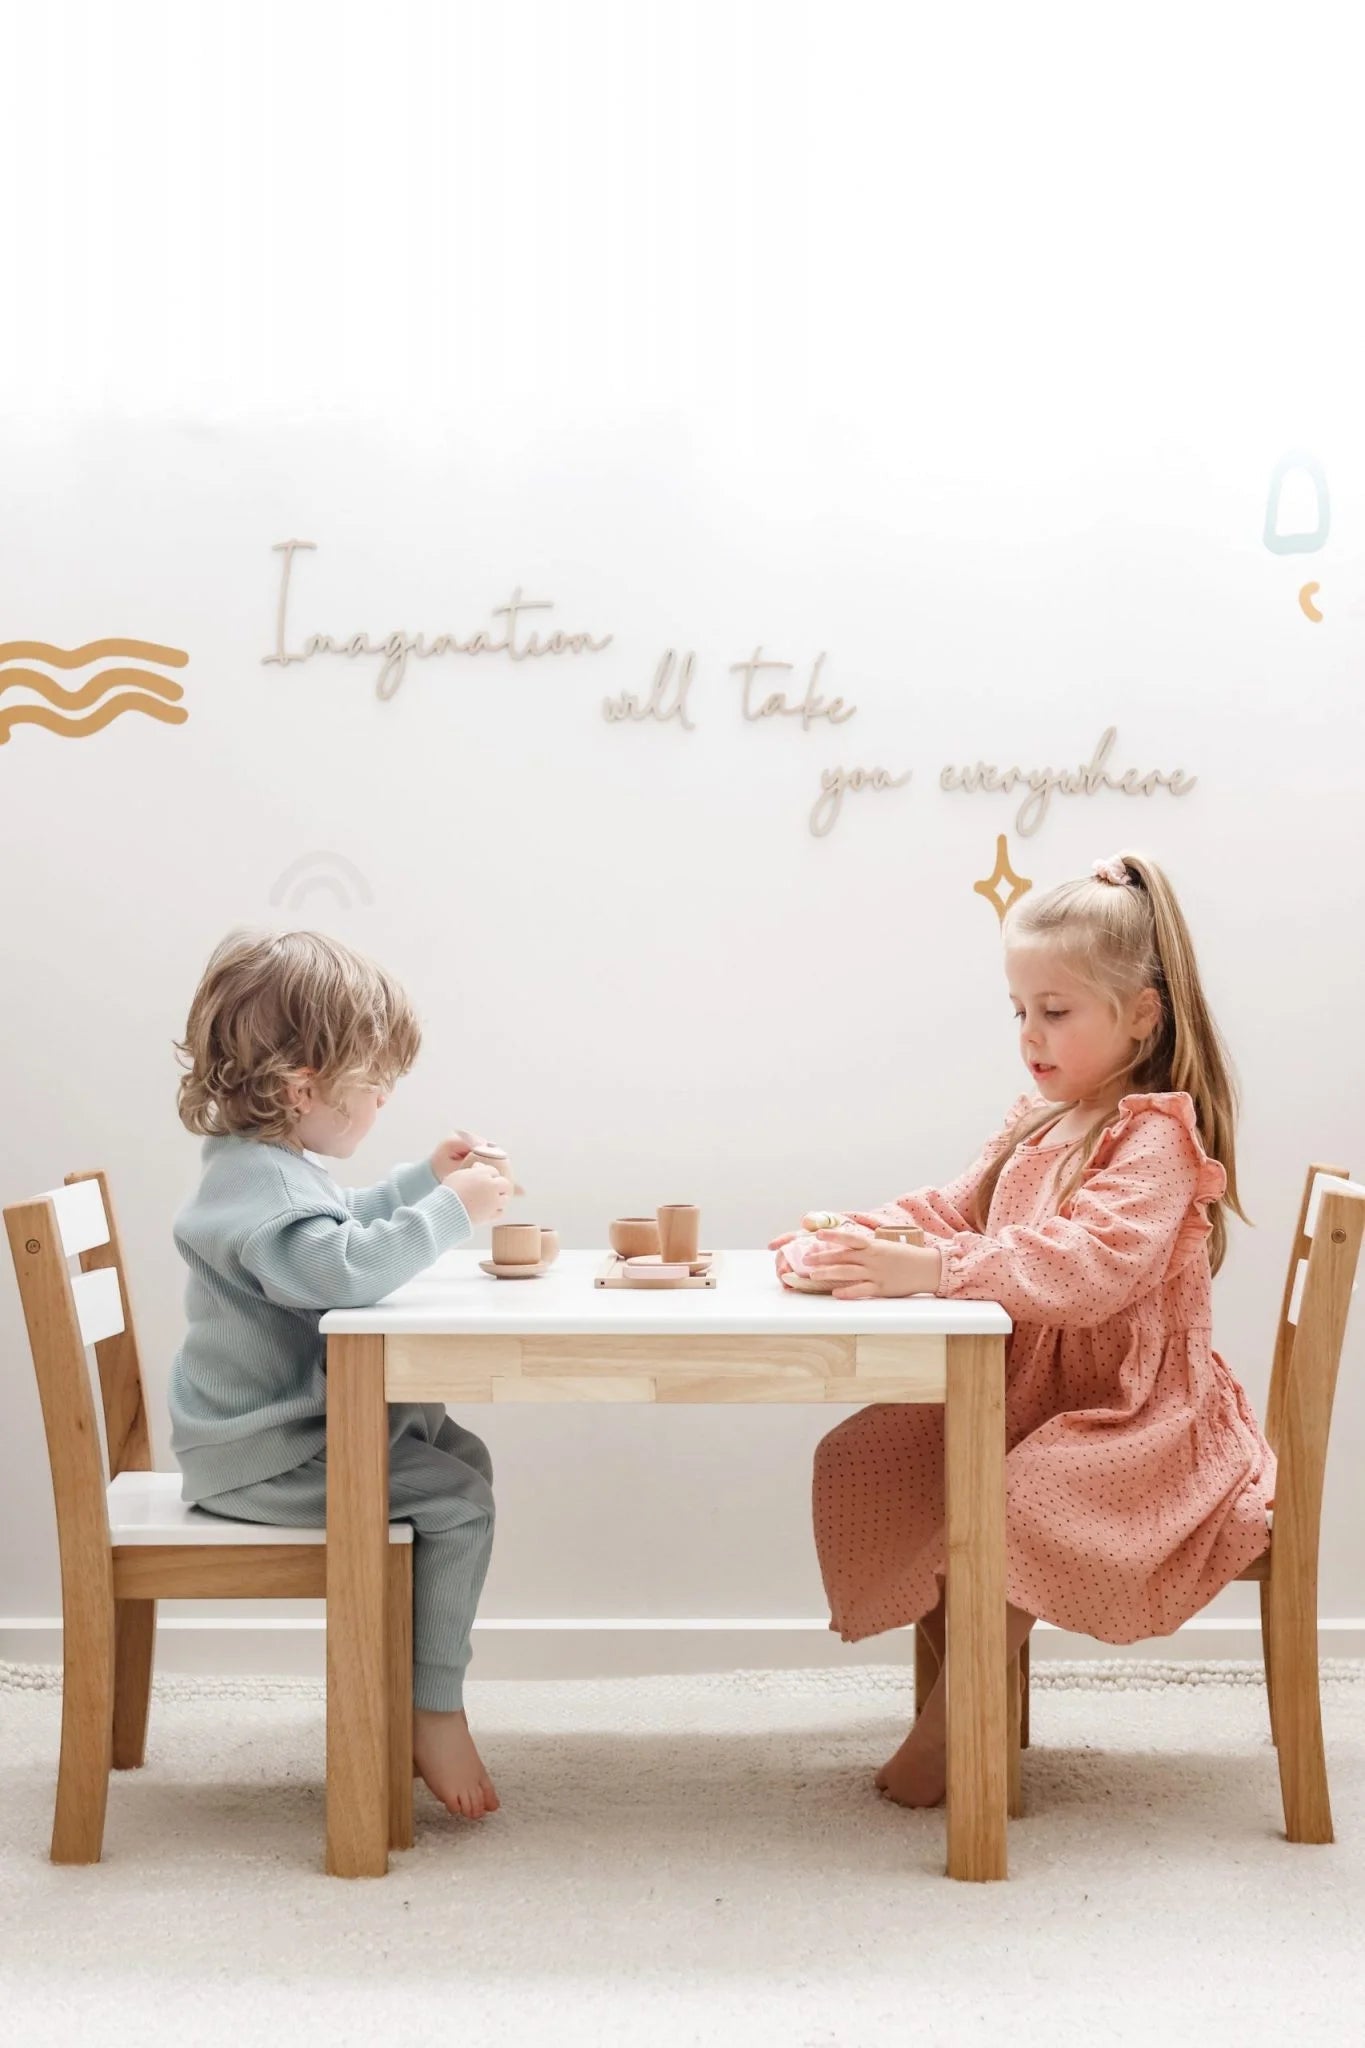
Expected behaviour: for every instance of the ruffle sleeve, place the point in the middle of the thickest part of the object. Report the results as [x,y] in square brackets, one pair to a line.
[1211,1181]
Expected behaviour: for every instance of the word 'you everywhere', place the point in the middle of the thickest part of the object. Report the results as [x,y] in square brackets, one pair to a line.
[668,699]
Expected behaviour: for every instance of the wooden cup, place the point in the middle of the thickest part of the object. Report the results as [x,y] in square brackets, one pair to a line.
[679,1231]
[634,1237]
[900,1233]
[549,1245]
[516,1244]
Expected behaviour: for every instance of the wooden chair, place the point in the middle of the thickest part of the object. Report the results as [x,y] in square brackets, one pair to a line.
[1308,1341]
[126,1543]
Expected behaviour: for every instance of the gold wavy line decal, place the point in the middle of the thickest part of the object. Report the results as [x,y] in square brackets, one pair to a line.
[94,650]
[78,728]
[91,691]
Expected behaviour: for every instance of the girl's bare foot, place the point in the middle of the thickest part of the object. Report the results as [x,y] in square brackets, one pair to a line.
[446,1760]
[917,1775]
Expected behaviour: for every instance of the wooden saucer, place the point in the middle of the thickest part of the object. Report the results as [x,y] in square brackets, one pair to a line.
[511,1272]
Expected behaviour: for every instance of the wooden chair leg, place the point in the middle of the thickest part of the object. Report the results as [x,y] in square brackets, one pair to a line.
[1292,1645]
[1014,1727]
[1266,1658]
[87,1730]
[926,1669]
[1023,1694]
[398,1668]
[134,1642]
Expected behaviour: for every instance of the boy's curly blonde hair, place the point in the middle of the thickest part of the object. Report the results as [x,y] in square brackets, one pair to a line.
[271,1002]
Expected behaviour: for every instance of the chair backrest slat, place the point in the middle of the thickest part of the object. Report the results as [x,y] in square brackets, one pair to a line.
[1325,1180]
[1290,1301]
[81,1215]
[98,1302]
[126,1434]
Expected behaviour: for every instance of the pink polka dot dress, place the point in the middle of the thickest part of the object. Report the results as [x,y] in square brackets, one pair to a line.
[1137,1479]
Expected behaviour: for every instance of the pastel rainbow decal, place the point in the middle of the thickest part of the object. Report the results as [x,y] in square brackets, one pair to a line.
[59,706]
[1306,604]
[321,870]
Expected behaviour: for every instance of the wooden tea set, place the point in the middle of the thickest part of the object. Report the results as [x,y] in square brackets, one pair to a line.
[658,1251]
[647,1251]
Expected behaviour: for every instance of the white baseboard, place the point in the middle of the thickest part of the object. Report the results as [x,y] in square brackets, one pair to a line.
[293,1646]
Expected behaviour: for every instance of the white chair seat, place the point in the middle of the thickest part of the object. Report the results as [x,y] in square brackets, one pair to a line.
[145,1507]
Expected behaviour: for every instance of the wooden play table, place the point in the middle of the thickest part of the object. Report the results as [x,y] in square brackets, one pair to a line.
[456,1336]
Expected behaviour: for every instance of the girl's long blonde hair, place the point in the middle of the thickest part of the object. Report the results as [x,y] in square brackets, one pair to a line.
[269,1003]
[1119,939]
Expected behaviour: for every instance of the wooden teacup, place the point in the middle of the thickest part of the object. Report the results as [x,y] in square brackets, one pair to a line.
[516,1244]
[634,1237]
[900,1233]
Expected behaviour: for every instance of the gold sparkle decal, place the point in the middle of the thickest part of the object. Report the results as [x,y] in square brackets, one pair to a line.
[1019,884]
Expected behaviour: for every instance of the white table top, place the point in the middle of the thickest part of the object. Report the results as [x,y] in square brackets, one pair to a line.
[454,1298]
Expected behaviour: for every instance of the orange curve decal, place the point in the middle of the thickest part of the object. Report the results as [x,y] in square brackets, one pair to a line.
[94,650]
[78,728]
[89,692]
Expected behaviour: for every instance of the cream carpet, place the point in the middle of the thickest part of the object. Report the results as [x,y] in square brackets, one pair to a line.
[696,1860]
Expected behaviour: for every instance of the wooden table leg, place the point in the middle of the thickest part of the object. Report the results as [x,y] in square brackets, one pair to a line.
[357,1547]
[974,1429]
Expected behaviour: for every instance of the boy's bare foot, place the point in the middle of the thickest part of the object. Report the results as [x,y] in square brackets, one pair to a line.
[446,1760]
[917,1775]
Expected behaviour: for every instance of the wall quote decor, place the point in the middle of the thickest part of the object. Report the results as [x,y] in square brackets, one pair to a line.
[668,700]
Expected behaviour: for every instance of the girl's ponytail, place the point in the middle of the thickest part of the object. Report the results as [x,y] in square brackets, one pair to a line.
[1189,1055]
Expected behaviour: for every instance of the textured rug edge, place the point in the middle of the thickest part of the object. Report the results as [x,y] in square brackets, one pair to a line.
[1070,1675]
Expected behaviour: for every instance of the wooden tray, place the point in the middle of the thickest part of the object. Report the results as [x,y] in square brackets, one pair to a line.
[612,1274]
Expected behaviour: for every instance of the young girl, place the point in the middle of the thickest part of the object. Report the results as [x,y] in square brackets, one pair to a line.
[1137,1480]
[295,1042]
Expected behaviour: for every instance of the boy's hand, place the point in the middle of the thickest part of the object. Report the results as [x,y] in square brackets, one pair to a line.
[482,1189]
[862,1271]
[452,1152]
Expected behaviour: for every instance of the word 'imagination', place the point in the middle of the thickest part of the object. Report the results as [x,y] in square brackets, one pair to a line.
[1083,781]
[396,647]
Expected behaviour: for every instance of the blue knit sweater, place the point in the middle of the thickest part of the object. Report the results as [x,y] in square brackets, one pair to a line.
[271,1242]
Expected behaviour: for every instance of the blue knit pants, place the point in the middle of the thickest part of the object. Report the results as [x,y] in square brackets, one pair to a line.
[440,1480]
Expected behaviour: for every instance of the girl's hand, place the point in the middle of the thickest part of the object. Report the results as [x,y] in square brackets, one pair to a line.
[482,1189]
[452,1152]
[776,1243]
[862,1271]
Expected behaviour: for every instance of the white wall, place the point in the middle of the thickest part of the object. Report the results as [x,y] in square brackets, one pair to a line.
[961,349]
